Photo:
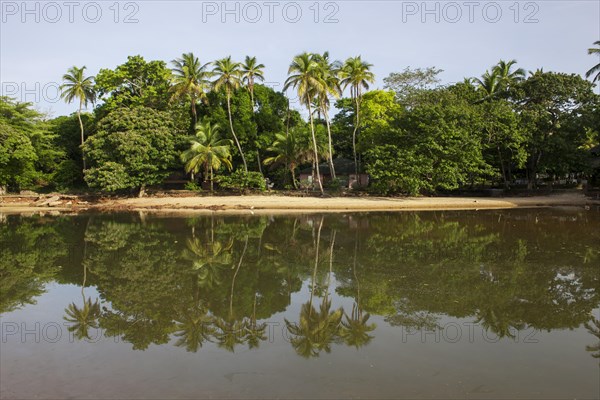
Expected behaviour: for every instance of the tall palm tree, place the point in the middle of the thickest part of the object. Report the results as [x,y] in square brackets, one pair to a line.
[229,77]
[286,151]
[190,81]
[596,68]
[304,76]
[251,72]
[331,87]
[76,86]
[207,150]
[508,77]
[356,74]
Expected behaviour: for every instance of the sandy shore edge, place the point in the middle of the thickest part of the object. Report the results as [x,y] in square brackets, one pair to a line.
[286,204]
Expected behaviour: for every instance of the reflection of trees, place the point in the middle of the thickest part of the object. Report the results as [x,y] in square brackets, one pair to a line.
[316,329]
[31,249]
[593,327]
[218,279]
[85,317]
[356,327]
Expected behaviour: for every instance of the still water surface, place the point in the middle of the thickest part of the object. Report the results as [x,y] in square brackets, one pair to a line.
[494,304]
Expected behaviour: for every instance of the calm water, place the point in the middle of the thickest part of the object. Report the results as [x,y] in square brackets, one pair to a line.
[494,304]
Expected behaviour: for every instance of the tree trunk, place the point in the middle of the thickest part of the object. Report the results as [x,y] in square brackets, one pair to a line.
[2,190]
[211,179]
[82,136]
[142,191]
[233,132]
[259,163]
[194,115]
[354,134]
[293,178]
[502,168]
[331,167]
[316,155]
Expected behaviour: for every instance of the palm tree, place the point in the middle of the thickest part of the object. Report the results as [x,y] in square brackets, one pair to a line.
[331,87]
[209,260]
[190,81]
[304,76]
[208,150]
[76,86]
[286,151]
[596,68]
[85,317]
[229,78]
[356,74]
[251,72]
[506,76]
[489,84]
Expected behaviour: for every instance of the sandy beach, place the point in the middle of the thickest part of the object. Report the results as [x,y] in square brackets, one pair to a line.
[287,204]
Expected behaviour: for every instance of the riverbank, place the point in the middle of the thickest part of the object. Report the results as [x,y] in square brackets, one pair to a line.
[282,204]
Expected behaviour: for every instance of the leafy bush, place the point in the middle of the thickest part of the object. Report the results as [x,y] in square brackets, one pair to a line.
[242,180]
[192,186]
[68,174]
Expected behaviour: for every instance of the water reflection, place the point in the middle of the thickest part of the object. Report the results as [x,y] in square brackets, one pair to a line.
[219,279]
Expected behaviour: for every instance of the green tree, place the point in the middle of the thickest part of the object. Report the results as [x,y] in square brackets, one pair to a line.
[357,75]
[133,148]
[76,86]
[229,77]
[252,71]
[596,68]
[207,150]
[286,150]
[190,81]
[331,87]
[304,76]
[409,83]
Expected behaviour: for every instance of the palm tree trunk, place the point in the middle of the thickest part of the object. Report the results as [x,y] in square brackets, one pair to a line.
[194,114]
[259,163]
[293,178]
[233,132]
[354,135]
[211,179]
[314,276]
[82,137]
[234,276]
[314,139]
[331,167]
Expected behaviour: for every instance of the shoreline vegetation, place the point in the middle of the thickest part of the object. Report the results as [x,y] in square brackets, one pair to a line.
[277,204]
[218,125]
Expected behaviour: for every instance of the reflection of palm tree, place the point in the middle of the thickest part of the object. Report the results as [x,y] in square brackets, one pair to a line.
[316,330]
[209,260]
[194,328]
[83,318]
[87,316]
[496,320]
[232,330]
[355,329]
[593,327]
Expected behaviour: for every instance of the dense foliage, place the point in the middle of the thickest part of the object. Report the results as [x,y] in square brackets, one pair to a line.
[504,129]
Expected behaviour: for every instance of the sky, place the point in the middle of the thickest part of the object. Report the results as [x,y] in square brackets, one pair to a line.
[40,40]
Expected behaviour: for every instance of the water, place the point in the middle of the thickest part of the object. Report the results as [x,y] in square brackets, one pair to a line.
[494,304]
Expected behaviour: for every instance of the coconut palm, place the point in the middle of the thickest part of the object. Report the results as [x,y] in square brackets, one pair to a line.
[489,84]
[190,81]
[286,149]
[356,74]
[207,150]
[76,86]
[229,78]
[596,68]
[329,75]
[251,72]
[304,76]
[506,75]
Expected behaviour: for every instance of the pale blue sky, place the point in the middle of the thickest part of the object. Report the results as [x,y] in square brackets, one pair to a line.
[389,34]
